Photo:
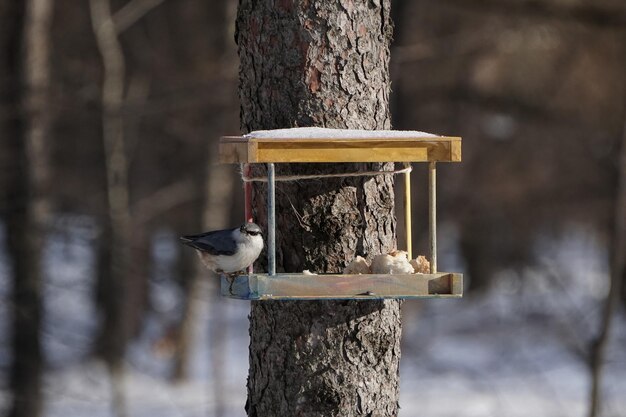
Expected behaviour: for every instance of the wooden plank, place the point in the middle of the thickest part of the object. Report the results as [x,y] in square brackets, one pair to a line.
[457,284]
[233,152]
[282,150]
[335,286]
[455,151]
[407,214]
[242,287]
[253,151]
[350,152]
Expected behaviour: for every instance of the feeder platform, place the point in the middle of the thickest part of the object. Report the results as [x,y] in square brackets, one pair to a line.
[341,286]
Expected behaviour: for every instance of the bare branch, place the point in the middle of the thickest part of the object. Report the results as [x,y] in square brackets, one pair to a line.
[132,12]
[618,265]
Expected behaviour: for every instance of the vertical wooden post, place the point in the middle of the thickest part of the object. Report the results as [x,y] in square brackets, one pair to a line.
[432,215]
[407,212]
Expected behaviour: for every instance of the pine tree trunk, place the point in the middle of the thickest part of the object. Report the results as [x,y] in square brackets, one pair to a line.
[321,63]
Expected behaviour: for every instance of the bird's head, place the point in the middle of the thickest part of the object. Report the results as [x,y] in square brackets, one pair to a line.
[251,230]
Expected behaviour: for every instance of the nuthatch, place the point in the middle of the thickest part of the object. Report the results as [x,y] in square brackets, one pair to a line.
[229,250]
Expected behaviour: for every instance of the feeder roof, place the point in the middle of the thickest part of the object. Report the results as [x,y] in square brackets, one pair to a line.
[313,144]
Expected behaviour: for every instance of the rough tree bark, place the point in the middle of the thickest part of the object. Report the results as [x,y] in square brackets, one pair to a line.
[27,219]
[319,63]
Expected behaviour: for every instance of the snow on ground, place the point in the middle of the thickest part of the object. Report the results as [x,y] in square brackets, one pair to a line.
[510,352]
[514,350]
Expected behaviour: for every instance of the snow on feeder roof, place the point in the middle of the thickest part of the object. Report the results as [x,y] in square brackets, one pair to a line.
[326,133]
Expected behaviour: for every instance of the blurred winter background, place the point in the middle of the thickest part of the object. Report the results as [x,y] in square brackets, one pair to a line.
[535,88]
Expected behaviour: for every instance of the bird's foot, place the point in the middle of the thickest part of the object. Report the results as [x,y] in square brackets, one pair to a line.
[231,280]
[230,277]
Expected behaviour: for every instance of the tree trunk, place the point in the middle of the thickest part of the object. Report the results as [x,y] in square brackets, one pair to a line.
[321,63]
[28,217]
[115,251]
[617,272]
[216,213]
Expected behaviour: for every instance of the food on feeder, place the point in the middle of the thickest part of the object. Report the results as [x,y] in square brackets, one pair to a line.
[307,272]
[358,266]
[421,265]
[397,252]
[395,263]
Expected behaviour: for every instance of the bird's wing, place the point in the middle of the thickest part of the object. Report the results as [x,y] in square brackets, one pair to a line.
[219,242]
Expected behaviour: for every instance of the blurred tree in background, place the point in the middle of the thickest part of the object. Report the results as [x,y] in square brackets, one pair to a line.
[26,87]
[159,88]
[536,89]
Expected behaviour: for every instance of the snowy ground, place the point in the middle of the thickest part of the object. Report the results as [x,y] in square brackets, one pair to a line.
[511,352]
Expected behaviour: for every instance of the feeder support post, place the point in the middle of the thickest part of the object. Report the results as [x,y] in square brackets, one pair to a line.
[407,211]
[247,201]
[432,215]
[271,219]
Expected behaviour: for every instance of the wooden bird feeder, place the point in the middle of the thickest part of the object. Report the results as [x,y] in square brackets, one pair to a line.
[331,145]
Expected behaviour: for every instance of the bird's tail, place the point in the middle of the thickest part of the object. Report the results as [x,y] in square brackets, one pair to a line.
[196,242]
[189,240]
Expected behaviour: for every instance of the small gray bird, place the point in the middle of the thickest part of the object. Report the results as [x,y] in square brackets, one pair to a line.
[229,250]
